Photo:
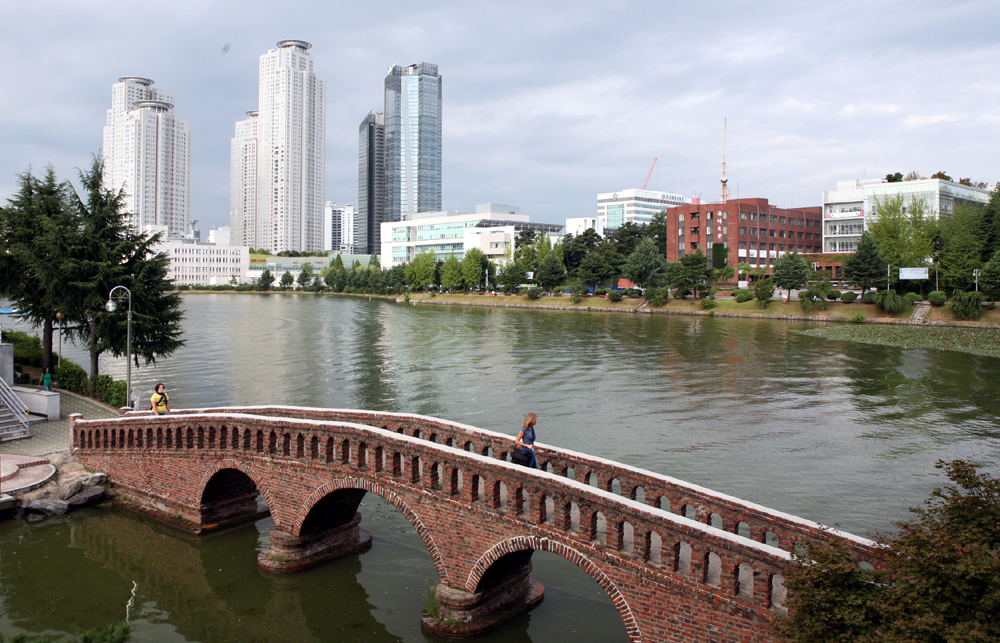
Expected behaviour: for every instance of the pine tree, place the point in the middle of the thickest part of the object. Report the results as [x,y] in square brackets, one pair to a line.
[790,272]
[865,267]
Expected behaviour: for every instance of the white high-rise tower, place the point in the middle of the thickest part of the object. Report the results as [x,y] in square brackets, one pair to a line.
[147,154]
[278,156]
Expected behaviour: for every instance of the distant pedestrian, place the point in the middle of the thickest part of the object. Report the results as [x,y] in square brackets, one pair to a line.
[46,380]
[525,440]
[160,401]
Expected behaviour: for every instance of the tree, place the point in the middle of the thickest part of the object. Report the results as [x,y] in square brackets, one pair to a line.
[474,266]
[576,248]
[935,579]
[865,267]
[109,254]
[594,269]
[266,280]
[719,255]
[790,271]
[286,280]
[657,231]
[37,230]
[645,266]
[989,278]
[543,247]
[763,291]
[991,226]
[905,239]
[420,271]
[511,275]
[941,175]
[335,275]
[373,263]
[451,273]
[626,238]
[306,275]
[961,246]
[550,272]
[896,177]
[725,274]
[695,271]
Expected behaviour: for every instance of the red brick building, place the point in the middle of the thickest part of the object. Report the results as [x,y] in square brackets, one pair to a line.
[755,231]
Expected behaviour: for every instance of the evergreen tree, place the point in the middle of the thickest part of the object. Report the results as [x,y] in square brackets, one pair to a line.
[657,231]
[790,271]
[550,272]
[865,267]
[451,273]
[645,266]
[594,269]
[373,262]
[693,272]
[989,278]
[286,280]
[511,275]
[576,248]
[961,246]
[306,275]
[991,226]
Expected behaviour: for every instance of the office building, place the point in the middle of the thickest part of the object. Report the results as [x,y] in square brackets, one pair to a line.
[850,209]
[205,264]
[278,205]
[371,183]
[147,155]
[340,229]
[412,141]
[754,231]
[614,209]
[448,234]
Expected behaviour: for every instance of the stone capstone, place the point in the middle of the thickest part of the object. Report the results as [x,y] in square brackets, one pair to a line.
[47,507]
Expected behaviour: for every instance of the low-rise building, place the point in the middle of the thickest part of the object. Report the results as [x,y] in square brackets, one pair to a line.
[850,209]
[205,264]
[492,229]
[757,231]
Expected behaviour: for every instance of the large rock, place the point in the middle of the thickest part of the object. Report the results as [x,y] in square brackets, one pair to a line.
[47,507]
[69,489]
[89,496]
[96,479]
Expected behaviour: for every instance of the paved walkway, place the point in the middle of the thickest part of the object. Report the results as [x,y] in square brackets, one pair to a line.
[53,435]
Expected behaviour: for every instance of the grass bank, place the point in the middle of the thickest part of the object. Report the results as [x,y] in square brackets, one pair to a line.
[975,341]
[561,301]
[835,310]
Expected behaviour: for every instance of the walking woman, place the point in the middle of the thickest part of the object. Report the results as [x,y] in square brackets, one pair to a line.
[525,439]
[160,402]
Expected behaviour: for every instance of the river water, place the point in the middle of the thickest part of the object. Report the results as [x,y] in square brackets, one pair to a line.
[838,432]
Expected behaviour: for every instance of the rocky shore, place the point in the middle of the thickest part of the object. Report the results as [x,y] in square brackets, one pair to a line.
[72,487]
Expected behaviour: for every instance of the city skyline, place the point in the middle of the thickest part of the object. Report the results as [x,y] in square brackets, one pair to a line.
[536,114]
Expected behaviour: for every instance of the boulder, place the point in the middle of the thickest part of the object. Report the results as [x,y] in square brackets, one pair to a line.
[89,496]
[96,479]
[47,507]
[69,489]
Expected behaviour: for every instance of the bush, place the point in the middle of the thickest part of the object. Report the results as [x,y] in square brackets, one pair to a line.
[805,301]
[743,296]
[615,295]
[869,298]
[713,291]
[27,348]
[913,297]
[848,296]
[763,291]
[681,293]
[891,303]
[937,298]
[534,293]
[110,391]
[575,299]
[708,303]
[967,305]
[858,319]
[833,295]
[71,377]
[581,290]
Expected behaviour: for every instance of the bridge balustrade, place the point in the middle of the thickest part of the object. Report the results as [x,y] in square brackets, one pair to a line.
[721,511]
[652,541]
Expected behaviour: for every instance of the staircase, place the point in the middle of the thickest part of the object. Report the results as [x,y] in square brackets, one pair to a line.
[920,312]
[13,415]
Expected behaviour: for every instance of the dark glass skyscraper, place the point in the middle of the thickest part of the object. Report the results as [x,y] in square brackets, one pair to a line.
[412,141]
[371,184]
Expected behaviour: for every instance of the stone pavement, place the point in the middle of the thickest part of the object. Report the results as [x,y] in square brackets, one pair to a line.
[54,435]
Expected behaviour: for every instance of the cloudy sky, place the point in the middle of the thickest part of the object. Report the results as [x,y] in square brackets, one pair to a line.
[545,103]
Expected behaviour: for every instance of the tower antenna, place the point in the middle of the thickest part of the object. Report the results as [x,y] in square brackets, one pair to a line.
[725,142]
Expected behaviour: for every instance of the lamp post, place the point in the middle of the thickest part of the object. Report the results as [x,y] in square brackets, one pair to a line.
[60,317]
[111,307]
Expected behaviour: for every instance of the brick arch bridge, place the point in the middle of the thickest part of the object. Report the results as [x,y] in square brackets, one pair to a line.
[679,561]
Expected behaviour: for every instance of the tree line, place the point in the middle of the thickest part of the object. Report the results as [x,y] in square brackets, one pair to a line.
[62,250]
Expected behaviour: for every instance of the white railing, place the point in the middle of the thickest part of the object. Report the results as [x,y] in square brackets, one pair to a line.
[9,399]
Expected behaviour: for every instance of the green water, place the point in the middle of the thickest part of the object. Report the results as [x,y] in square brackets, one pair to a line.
[833,431]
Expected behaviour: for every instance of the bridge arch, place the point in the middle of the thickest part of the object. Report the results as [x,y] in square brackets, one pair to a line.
[389,496]
[522,543]
[220,465]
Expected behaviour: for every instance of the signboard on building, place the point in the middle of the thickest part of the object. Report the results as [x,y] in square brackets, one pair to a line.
[913,273]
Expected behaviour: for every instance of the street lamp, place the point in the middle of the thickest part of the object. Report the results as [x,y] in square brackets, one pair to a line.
[60,317]
[111,307]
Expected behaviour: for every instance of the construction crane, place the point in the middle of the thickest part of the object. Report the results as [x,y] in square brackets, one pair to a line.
[725,145]
[649,174]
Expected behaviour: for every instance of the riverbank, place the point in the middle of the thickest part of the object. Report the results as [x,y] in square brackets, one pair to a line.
[974,341]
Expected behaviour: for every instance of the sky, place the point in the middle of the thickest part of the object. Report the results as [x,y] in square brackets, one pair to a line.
[546,104]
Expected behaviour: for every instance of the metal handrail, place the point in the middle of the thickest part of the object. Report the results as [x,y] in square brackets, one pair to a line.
[9,399]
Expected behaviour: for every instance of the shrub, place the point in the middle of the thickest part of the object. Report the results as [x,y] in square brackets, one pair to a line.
[534,293]
[913,297]
[805,301]
[615,295]
[708,303]
[833,295]
[110,391]
[27,348]
[575,299]
[743,296]
[967,305]
[848,296]
[681,293]
[937,298]
[858,319]
[71,377]
[890,302]
[869,298]
[763,291]
[713,291]
[581,290]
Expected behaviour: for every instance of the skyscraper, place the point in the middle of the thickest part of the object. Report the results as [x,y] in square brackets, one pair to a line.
[371,183]
[147,155]
[412,141]
[340,228]
[287,137]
